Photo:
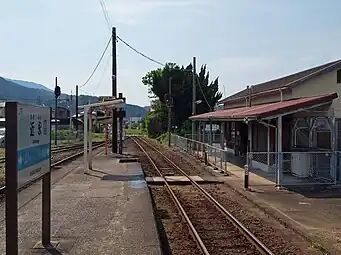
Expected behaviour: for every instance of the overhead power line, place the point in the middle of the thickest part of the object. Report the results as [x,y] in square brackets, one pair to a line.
[104,70]
[105,13]
[139,52]
[107,18]
[99,61]
[202,92]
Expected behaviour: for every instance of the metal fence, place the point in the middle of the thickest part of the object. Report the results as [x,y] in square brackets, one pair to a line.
[210,154]
[295,168]
[281,169]
[216,138]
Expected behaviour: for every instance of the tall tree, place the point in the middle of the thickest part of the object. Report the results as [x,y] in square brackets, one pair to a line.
[207,92]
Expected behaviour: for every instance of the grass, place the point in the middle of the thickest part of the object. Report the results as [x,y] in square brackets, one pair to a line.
[163,139]
[132,131]
[97,136]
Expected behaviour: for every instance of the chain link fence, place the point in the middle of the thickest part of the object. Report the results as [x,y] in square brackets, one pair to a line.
[281,169]
[212,155]
[295,168]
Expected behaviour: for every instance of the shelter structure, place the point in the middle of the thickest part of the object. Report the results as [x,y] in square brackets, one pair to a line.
[88,109]
[284,122]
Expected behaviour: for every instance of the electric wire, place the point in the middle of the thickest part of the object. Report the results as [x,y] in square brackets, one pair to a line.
[98,63]
[107,18]
[105,13]
[104,70]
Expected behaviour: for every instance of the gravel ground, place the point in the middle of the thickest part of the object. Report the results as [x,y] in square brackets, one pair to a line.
[211,226]
[165,167]
[218,234]
[55,157]
[179,240]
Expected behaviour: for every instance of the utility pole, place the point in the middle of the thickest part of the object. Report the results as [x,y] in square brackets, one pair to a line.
[76,111]
[194,97]
[120,147]
[57,94]
[170,104]
[114,91]
[70,109]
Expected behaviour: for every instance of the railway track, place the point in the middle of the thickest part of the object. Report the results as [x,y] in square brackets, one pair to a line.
[213,227]
[63,160]
[60,149]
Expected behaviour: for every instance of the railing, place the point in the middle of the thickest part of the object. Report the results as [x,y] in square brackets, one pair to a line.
[282,169]
[216,138]
[210,154]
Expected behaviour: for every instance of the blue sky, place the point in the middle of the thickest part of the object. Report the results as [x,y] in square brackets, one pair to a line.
[243,42]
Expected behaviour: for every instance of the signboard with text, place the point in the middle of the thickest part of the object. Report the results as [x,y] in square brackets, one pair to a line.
[28,157]
[34,136]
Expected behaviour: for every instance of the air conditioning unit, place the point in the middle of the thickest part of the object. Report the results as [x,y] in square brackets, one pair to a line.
[300,164]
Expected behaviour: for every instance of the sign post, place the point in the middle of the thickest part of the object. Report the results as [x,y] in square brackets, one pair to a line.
[28,157]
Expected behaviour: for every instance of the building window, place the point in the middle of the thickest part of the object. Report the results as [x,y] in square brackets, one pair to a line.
[338,76]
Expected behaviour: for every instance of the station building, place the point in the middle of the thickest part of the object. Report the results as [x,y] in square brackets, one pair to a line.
[292,123]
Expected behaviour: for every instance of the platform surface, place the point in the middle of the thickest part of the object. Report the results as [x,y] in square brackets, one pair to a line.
[106,211]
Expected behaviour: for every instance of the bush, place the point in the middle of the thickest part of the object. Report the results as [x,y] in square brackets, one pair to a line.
[64,135]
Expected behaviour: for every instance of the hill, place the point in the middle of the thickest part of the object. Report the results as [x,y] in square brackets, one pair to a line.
[29,84]
[10,90]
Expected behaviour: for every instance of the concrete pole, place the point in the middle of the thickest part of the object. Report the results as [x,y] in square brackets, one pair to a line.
[170,101]
[90,140]
[86,109]
[194,96]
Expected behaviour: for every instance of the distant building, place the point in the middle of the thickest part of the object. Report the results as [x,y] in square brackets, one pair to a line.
[2,109]
[63,116]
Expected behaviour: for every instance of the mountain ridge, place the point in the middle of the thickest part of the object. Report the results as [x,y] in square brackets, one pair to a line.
[11,89]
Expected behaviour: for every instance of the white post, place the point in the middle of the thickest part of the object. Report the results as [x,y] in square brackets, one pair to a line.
[279,151]
[70,120]
[268,127]
[86,109]
[249,137]
[222,135]
[90,140]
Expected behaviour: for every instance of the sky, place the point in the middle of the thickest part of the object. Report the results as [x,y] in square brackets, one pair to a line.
[243,42]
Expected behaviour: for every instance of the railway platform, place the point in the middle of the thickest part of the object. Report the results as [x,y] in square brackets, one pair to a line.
[106,210]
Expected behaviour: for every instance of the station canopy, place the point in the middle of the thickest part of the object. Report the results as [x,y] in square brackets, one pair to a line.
[266,110]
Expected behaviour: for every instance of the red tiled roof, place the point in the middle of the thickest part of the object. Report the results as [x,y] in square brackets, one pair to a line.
[266,110]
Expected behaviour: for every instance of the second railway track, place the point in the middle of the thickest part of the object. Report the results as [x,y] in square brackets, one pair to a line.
[58,157]
[60,149]
[214,228]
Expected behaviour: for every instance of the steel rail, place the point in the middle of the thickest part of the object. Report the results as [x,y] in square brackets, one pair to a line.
[251,237]
[53,165]
[177,203]
[61,149]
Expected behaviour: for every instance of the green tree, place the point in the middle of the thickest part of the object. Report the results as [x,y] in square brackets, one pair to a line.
[158,80]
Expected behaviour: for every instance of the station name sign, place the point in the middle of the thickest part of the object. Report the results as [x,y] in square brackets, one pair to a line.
[33,131]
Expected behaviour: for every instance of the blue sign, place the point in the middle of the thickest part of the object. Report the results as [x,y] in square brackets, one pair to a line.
[31,156]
